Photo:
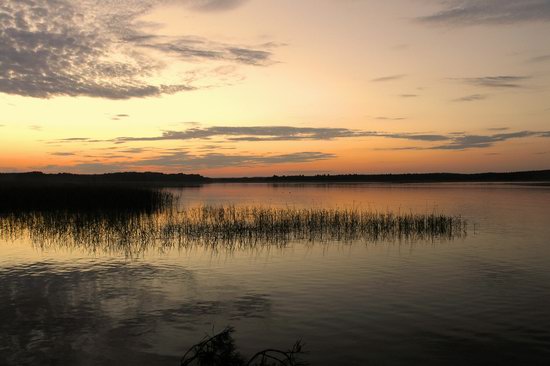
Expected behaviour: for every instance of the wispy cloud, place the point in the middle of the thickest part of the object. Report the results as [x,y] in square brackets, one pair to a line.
[491,12]
[461,142]
[224,135]
[388,78]
[276,133]
[471,98]
[498,129]
[186,161]
[384,118]
[408,95]
[507,81]
[213,5]
[99,48]
[255,133]
[118,117]
[63,153]
[541,58]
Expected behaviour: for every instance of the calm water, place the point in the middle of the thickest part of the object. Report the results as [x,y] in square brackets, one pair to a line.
[479,300]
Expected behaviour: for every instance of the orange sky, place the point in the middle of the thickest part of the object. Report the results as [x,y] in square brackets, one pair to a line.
[236,87]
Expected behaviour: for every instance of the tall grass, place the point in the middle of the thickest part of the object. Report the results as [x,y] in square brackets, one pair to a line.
[226,226]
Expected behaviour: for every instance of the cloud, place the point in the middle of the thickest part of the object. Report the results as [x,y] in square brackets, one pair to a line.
[470,141]
[118,117]
[213,5]
[445,141]
[498,129]
[62,153]
[408,95]
[383,118]
[100,48]
[471,98]
[276,133]
[542,58]
[508,82]
[185,161]
[480,141]
[491,12]
[256,133]
[388,78]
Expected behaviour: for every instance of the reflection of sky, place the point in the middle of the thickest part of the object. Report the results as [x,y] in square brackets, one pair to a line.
[111,311]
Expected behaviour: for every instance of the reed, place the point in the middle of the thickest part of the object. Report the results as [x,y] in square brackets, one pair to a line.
[224,226]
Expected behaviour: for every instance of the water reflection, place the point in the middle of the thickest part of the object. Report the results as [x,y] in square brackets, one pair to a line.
[106,312]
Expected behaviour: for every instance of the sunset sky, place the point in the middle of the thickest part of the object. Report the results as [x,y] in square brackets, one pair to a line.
[263,87]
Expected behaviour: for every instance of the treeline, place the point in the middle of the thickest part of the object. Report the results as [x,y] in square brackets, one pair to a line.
[526,176]
[123,178]
[173,180]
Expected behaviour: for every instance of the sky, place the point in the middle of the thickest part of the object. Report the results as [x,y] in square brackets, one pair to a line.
[263,87]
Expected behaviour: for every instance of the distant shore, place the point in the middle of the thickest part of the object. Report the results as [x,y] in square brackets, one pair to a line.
[538,177]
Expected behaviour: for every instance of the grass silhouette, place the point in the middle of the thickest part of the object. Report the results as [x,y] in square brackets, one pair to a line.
[228,227]
[220,350]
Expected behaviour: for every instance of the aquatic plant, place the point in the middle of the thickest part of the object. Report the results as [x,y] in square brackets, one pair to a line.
[224,226]
[220,350]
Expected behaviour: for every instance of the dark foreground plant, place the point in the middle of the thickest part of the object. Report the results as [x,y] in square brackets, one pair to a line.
[220,350]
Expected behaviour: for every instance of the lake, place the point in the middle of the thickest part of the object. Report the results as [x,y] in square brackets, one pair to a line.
[477,299]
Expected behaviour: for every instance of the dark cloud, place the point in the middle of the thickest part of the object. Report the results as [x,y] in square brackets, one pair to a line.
[408,95]
[98,48]
[475,12]
[388,78]
[471,98]
[61,153]
[496,81]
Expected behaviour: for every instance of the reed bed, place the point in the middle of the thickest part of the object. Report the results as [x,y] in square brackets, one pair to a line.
[226,226]
[81,198]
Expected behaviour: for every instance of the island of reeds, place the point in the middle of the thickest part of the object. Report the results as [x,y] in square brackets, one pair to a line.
[130,220]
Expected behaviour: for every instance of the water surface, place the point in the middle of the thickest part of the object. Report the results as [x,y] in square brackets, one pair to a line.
[477,300]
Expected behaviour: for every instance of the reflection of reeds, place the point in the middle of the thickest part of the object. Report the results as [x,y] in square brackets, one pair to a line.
[226,226]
